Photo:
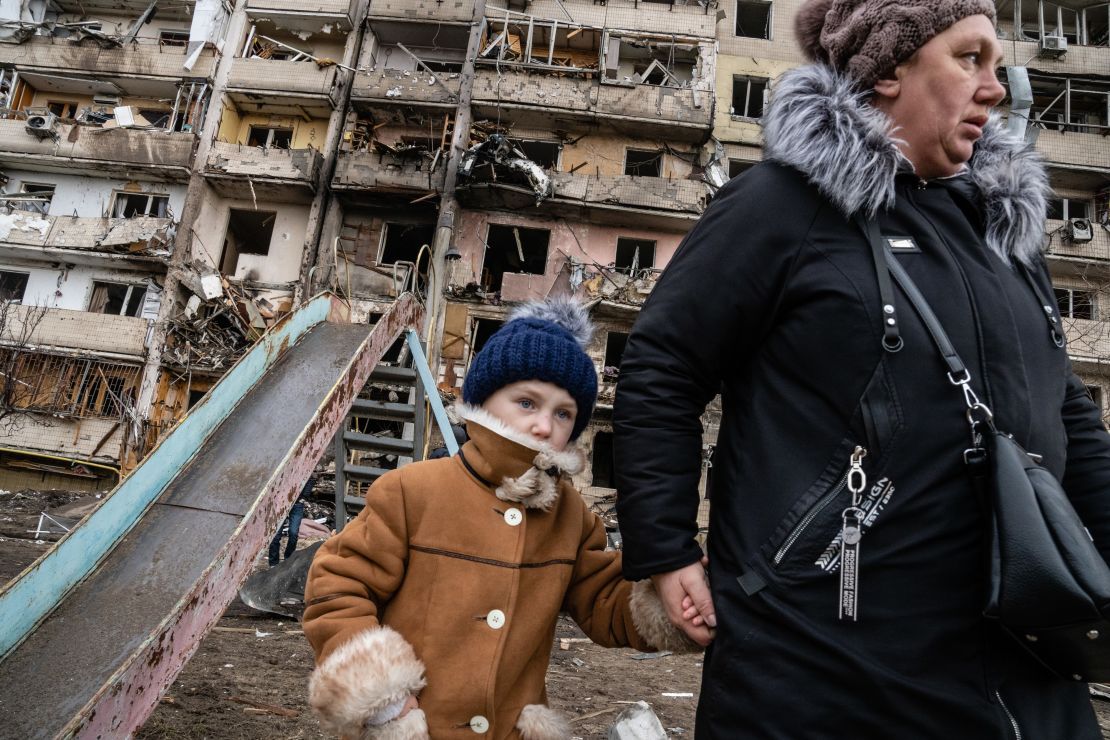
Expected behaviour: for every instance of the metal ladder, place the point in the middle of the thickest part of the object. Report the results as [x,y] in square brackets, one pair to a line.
[410,378]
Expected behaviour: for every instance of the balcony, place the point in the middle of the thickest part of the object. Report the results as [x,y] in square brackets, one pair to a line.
[77,148]
[1087,339]
[1074,149]
[293,83]
[624,200]
[54,56]
[689,19]
[264,166]
[373,171]
[181,11]
[145,238]
[93,332]
[397,87]
[1079,60]
[1097,249]
[340,12]
[446,11]
[531,98]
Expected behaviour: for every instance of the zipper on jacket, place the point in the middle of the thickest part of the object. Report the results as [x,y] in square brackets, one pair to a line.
[1009,716]
[813,513]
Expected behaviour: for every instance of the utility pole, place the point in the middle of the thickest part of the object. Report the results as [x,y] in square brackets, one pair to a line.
[448,203]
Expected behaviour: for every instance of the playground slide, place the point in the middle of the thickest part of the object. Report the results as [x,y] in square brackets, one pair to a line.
[97,629]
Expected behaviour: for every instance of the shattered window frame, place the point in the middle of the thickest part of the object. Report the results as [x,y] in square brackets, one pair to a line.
[494,233]
[130,303]
[64,109]
[65,385]
[157,202]
[40,204]
[746,8]
[173,37]
[637,261]
[650,157]
[13,286]
[601,450]
[272,132]
[748,82]
[737,167]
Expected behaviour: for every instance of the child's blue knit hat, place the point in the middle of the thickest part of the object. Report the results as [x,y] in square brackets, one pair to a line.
[542,340]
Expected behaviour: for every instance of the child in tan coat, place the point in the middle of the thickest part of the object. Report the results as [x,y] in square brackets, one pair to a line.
[433,613]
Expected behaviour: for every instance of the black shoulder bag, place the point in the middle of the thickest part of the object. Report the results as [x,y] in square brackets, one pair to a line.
[1049,588]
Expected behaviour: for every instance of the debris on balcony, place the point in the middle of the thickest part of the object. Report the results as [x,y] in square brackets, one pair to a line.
[220,321]
[497,150]
[151,237]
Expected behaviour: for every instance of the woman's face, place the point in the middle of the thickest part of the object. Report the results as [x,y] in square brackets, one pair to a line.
[940,98]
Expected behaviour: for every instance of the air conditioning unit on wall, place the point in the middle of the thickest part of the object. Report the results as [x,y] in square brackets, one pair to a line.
[42,124]
[1081,230]
[1054,47]
[106,99]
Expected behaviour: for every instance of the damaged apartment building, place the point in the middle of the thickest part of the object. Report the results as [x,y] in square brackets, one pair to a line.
[179,175]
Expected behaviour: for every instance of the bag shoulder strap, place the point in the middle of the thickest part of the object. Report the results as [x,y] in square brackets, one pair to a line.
[955,365]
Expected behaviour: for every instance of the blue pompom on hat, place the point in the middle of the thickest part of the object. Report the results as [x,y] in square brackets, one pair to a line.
[542,340]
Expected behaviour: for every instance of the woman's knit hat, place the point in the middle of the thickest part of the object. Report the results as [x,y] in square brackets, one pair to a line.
[869,38]
[542,340]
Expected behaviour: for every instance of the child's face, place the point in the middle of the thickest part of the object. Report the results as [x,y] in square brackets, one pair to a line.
[541,410]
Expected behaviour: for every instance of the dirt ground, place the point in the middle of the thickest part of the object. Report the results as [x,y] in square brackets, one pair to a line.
[248,677]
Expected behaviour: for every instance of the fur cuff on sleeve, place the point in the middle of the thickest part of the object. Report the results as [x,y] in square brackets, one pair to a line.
[369,672]
[539,722]
[413,726]
[650,619]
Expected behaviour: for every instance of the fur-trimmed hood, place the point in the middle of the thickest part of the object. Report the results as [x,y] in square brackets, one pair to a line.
[821,124]
[518,468]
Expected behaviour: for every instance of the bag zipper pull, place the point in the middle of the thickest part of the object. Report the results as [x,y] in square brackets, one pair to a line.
[851,532]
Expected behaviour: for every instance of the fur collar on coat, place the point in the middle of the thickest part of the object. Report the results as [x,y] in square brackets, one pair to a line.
[520,470]
[819,123]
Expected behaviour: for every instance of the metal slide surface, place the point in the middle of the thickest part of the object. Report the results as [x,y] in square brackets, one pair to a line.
[97,664]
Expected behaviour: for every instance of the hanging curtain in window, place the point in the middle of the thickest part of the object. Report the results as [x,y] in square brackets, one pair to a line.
[99,301]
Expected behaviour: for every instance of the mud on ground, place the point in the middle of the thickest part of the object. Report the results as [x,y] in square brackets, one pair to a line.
[249,676]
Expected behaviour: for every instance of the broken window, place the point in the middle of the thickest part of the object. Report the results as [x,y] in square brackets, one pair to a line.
[438,47]
[544,153]
[156,117]
[1062,209]
[1096,25]
[271,138]
[402,243]
[1075,304]
[651,61]
[1095,392]
[748,95]
[62,108]
[248,232]
[13,286]
[601,462]
[544,43]
[1065,104]
[482,330]
[260,46]
[643,163]
[737,167]
[132,205]
[195,397]
[634,254]
[753,19]
[117,299]
[173,37]
[615,343]
[513,249]
[37,197]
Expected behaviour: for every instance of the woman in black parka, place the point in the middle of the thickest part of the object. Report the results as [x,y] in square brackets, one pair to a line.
[773,301]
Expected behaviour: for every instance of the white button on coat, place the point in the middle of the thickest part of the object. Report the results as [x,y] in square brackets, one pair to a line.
[479,724]
[513,517]
[496,619]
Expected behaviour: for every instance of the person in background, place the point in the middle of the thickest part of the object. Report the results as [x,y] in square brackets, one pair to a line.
[292,523]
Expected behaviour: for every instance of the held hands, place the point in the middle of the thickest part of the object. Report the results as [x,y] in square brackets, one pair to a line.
[689,604]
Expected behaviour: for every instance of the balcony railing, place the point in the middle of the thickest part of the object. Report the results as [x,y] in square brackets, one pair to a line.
[166,154]
[146,58]
[142,236]
[384,172]
[297,166]
[283,79]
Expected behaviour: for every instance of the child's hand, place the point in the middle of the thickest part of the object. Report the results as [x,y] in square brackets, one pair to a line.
[690,612]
